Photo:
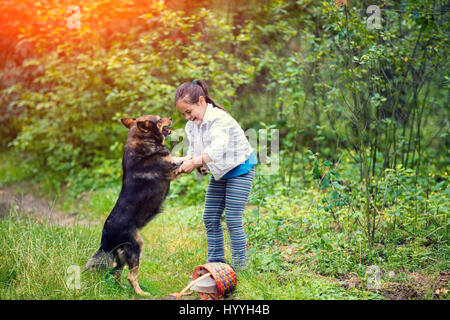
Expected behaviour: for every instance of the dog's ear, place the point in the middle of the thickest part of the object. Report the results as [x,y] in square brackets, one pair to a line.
[128,122]
[146,125]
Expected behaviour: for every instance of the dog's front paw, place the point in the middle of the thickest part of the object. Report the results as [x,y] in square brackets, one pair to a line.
[203,170]
[175,170]
[179,160]
[176,165]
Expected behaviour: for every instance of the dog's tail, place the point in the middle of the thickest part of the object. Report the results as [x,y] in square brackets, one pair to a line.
[101,260]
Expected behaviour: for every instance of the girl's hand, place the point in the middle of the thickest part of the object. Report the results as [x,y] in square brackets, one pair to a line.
[187,167]
[191,164]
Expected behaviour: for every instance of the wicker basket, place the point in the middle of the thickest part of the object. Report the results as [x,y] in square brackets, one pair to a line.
[224,276]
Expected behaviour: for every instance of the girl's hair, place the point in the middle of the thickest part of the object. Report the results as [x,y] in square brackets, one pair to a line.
[191,92]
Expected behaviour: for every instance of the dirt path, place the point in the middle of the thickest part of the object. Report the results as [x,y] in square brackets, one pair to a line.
[22,200]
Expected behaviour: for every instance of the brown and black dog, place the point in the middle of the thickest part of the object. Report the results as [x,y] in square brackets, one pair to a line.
[147,171]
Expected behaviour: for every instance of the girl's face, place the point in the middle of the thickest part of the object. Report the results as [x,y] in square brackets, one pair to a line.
[192,112]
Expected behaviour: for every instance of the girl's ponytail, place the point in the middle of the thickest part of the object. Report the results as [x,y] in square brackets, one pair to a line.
[192,92]
[208,98]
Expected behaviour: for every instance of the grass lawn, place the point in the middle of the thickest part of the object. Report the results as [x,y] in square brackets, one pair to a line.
[293,252]
[38,258]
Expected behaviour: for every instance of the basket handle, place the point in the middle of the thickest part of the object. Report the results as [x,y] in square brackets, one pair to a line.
[206,275]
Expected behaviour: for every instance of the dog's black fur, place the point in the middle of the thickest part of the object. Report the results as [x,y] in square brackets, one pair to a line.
[147,171]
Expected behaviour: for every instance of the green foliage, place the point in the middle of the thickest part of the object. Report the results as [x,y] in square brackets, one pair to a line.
[187,189]
[398,199]
[70,118]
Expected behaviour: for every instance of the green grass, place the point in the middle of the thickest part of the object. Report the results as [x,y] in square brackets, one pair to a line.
[297,284]
[293,251]
[37,256]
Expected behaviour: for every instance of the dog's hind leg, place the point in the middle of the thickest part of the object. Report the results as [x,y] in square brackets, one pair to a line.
[132,277]
[117,271]
[132,254]
[140,243]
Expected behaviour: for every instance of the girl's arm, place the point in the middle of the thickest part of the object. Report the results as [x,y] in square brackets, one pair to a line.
[193,163]
[201,160]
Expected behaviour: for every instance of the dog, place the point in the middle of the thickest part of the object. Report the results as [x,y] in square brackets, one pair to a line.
[148,169]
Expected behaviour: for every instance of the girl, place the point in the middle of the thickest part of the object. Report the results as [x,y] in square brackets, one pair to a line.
[217,141]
